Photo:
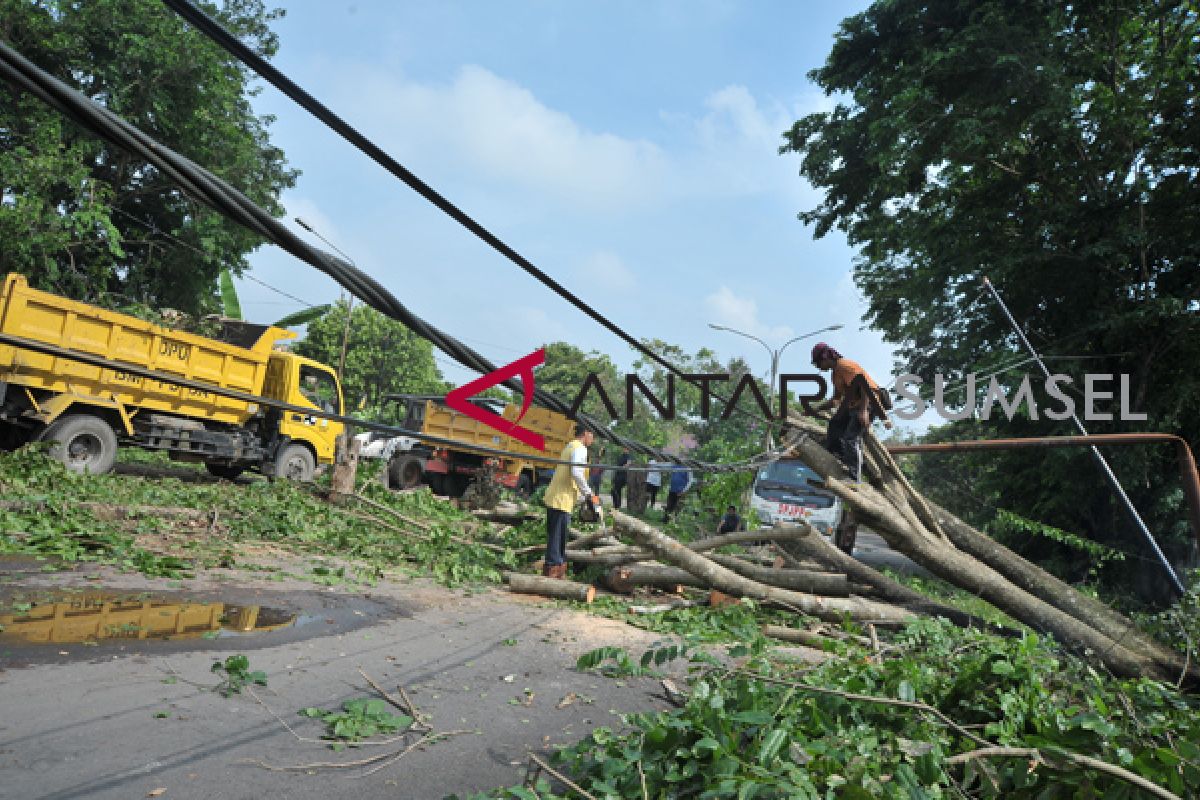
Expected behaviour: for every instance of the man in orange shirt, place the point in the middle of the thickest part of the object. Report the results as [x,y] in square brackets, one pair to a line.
[858,400]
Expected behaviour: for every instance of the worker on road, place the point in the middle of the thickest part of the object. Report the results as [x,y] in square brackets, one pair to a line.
[566,487]
[858,399]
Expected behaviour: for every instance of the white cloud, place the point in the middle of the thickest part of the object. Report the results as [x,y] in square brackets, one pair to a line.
[741,313]
[606,271]
[500,130]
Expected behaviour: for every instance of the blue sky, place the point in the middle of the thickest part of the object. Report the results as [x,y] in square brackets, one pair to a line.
[629,149]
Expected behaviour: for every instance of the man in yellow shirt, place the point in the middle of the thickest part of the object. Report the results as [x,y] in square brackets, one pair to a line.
[856,395]
[566,487]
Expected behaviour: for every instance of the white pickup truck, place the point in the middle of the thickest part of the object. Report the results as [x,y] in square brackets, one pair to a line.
[788,490]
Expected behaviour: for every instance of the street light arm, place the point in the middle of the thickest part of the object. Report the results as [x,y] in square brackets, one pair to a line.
[742,333]
[806,335]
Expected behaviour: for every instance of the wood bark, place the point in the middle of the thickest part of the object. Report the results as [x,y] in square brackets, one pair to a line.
[725,580]
[345,467]
[624,579]
[821,550]
[1057,593]
[889,506]
[550,587]
[823,583]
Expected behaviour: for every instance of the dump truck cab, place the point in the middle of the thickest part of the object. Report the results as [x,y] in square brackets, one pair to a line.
[300,381]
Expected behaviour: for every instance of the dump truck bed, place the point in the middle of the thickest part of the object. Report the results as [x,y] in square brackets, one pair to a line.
[69,324]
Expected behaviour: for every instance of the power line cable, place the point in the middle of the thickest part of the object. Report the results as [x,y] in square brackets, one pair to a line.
[231,44]
[150,226]
[202,185]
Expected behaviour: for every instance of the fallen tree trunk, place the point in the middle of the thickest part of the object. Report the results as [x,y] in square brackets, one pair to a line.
[823,583]
[1057,593]
[780,534]
[625,579]
[725,580]
[550,587]
[883,587]
[890,507]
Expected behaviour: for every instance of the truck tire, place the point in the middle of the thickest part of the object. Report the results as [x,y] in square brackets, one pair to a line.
[295,463]
[83,443]
[525,485]
[405,472]
[227,471]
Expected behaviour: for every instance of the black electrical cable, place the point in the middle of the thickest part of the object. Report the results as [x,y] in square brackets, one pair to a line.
[231,44]
[215,192]
[94,360]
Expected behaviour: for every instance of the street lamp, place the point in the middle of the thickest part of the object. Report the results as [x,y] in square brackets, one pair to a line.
[775,354]
[349,300]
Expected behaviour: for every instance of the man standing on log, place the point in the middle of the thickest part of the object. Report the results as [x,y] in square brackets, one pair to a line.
[566,487]
[858,399]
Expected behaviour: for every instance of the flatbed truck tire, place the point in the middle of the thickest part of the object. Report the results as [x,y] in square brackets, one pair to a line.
[83,443]
[405,472]
[295,463]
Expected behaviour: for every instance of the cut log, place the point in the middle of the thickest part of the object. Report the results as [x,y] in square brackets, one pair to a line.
[624,579]
[663,607]
[607,557]
[593,539]
[725,580]
[797,636]
[550,587]
[823,583]
[717,598]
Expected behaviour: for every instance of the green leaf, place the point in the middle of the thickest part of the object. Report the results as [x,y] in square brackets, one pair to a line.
[230,304]
[302,317]
[772,744]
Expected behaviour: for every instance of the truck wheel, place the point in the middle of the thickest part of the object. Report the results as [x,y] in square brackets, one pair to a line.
[226,471]
[83,443]
[405,472]
[295,463]
[525,485]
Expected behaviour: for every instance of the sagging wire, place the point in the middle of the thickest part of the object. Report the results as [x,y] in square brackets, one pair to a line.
[202,185]
[264,69]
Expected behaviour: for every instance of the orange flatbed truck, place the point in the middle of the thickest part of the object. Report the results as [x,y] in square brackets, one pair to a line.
[88,411]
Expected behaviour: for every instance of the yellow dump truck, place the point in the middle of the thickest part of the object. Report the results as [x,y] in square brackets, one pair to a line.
[87,411]
[447,469]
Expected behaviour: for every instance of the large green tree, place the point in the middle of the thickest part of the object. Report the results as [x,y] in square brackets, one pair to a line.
[382,355]
[1055,148]
[89,221]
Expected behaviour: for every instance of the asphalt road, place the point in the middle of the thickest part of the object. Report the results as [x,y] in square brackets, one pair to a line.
[872,550]
[83,723]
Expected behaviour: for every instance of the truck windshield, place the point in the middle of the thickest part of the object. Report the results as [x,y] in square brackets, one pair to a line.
[792,482]
[320,388]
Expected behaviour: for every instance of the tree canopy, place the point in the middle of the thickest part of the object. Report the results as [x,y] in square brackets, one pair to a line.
[1054,148]
[382,356]
[86,220]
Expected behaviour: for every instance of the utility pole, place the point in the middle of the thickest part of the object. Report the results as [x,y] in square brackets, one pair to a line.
[349,297]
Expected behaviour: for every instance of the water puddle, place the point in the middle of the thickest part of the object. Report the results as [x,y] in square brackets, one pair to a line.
[62,617]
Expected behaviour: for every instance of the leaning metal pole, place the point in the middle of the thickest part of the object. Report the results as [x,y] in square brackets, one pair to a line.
[1099,459]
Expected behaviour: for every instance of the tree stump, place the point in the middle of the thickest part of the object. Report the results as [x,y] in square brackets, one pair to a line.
[635,492]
